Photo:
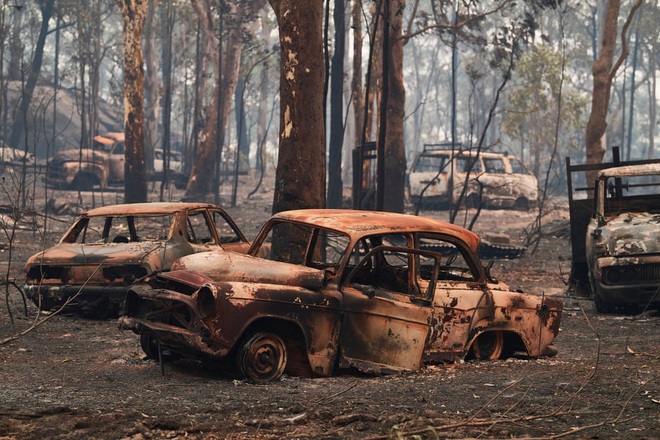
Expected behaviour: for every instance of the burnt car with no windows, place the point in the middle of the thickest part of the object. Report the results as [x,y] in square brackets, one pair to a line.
[623,240]
[375,291]
[106,249]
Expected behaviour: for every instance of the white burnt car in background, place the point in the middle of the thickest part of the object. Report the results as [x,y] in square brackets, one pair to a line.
[623,238]
[379,292]
[496,180]
[108,248]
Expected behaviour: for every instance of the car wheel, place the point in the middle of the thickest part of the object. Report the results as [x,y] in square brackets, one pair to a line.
[472,201]
[521,204]
[83,182]
[262,357]
[601,306]
[488,346]
[149,346]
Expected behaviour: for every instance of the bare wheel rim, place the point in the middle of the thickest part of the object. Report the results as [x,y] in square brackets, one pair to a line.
[262,357]
[488,346]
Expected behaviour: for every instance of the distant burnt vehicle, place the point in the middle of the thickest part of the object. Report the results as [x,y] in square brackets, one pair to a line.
[108,248]
[321,290]
[102,165]
[494,180]
[614,233]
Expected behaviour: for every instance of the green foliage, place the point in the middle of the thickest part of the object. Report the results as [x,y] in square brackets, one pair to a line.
[531,114]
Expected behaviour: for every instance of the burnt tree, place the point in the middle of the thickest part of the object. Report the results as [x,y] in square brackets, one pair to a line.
[603,71]
[133,16]
[395,154]
[300,175]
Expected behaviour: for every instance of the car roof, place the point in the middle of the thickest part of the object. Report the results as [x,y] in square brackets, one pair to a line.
[146,208]
[484,154]
[647,169]
[360,223]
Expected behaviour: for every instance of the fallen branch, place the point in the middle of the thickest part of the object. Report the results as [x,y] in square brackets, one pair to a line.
[37,323]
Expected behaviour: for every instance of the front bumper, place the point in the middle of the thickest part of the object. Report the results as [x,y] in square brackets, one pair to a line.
[628,282]
[48,297]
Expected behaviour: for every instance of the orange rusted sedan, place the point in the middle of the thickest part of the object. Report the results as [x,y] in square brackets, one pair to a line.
[106,249]
[380,292]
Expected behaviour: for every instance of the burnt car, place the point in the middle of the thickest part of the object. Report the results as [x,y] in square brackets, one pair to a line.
[623,240]
[379,292]
[106,249]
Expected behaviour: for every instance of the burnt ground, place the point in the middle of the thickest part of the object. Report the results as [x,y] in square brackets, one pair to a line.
[74,378]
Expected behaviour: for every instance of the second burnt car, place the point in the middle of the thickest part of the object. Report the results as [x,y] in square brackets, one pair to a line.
[380,292]
[106,249]
[623,241]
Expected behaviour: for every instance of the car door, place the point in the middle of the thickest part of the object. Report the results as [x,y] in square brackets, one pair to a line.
[116,162]
[386,312]
[428,177]
[460,298]
[200,234]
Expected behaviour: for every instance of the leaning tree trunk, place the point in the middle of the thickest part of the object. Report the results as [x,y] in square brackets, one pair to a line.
[18,131]
[300,175]
[603,71]
[135,183]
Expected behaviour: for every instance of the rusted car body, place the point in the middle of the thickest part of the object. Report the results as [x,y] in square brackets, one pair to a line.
[84,169]
[623,238]
[108,248]
[496,180]
[380,292]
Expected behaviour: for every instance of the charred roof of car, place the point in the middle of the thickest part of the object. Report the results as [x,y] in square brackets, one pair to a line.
[375,222]
[647,169]
[151,208]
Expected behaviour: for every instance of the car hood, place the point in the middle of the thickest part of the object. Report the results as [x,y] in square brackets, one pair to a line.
[74,155]
[231,266]
[632,234]
[67,254]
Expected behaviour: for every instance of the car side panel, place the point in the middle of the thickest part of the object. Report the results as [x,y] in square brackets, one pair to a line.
[384,333]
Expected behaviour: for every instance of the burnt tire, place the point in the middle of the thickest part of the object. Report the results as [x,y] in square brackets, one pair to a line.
[83,182]
[488,346]
[473,201]
[521,204]
[602,306]
[262,357]
[149,346]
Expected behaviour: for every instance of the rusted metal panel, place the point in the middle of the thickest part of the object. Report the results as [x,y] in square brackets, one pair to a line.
[362,223]
[228,266]
[389,311]
[115,245]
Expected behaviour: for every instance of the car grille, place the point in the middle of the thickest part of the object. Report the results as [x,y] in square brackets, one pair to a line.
[160,310]
[647,273]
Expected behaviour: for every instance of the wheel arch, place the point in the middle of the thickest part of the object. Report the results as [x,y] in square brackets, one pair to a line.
[295,339]
[512,342]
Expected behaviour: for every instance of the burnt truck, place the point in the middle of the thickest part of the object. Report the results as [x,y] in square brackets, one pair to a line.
[102,165]
[614,234]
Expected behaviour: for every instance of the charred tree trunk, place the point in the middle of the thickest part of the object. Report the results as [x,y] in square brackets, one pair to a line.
[135,185]
[203,169]
[264,83]
[335,184]
[395,152]
[300,175]
[151,89]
